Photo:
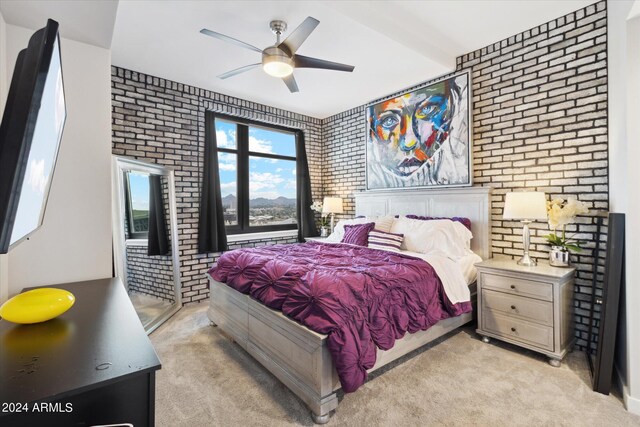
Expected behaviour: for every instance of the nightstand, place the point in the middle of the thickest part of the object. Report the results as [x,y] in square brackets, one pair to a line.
[527,306]
[316,239]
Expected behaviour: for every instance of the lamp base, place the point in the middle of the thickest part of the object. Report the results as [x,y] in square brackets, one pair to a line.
[527,261]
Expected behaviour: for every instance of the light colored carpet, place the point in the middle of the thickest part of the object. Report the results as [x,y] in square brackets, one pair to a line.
[148,307]
[458,380]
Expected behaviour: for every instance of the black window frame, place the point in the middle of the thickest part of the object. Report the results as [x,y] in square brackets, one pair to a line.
[131,233]
[242,171]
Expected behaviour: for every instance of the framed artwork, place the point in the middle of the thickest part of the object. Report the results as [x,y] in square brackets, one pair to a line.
[421,138]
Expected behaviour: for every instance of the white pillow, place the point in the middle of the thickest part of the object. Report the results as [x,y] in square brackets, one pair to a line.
[383,223]
[441,235]
[338,231]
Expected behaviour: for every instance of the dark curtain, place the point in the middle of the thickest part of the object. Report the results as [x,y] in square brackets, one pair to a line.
[306,220]
[212,236]
[158,242]
[127,206]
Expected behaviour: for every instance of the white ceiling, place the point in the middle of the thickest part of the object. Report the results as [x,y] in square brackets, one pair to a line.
[89,22]
[392,44]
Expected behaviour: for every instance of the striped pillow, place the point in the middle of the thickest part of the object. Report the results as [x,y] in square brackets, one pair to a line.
[357,234]
[386,241]
[384,223]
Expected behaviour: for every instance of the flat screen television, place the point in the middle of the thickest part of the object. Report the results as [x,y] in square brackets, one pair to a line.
[30,135]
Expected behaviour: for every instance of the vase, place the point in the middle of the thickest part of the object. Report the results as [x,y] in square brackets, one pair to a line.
[559,257]
[324,231]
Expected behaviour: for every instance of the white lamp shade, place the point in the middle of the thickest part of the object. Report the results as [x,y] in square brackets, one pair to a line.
[332,205]
[525,205]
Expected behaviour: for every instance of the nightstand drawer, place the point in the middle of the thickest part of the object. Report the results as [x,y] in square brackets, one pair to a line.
[526,288]
[521,307]
[518,330]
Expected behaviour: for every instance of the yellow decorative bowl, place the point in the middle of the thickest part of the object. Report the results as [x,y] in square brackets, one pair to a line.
[37,305]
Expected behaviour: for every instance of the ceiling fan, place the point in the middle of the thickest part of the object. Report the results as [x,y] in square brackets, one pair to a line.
[280,59]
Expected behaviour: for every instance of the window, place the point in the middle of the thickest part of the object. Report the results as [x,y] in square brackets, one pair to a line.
[257,166]
[137,204]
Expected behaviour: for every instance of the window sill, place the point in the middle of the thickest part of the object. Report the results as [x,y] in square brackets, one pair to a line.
[232,238]
[136,242]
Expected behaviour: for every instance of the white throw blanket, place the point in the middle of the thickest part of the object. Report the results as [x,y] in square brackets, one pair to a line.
[451,274]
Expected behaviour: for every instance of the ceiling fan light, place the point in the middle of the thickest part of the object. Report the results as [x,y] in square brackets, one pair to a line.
[277,68]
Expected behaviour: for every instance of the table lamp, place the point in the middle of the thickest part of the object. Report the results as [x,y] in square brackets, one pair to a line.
[332,205]
[527,207]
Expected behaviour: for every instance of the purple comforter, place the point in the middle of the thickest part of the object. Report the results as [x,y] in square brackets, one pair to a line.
[361,298]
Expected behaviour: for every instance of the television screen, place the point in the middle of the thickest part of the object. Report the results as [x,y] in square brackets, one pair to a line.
[31,132]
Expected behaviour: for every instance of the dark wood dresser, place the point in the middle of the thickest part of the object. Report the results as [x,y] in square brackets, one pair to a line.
[93,365]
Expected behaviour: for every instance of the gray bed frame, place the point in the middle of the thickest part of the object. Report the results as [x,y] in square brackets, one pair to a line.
[298,356]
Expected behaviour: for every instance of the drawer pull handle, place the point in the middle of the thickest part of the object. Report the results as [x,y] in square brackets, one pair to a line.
[513,307]
[513,286]
[513,329]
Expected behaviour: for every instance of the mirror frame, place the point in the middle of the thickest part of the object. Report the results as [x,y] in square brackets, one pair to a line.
[601,369]
[119,166]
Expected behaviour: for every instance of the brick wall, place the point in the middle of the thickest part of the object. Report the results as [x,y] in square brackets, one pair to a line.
[150,275]
[539,123]
[344,157]
[162,121]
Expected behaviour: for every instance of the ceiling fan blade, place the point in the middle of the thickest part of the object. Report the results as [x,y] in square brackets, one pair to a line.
[238,71]
[299,35]
[229,40]
[290,81]
[308,62]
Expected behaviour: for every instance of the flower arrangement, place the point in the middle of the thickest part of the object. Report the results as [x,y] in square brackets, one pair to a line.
[324,218]
[560,214]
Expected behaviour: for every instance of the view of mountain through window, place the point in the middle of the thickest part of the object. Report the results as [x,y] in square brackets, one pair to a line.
[260,163]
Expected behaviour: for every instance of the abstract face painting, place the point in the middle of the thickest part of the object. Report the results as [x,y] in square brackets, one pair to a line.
[421,138]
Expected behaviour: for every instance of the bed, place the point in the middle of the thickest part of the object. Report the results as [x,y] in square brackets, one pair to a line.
[300,357]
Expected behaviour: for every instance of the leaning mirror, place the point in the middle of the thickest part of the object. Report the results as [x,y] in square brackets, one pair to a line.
[145,237]
[606,288]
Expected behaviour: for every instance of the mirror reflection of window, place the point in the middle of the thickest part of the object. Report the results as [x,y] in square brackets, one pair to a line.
[138,204]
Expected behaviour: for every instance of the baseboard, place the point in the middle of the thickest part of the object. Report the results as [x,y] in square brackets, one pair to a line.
[631,403]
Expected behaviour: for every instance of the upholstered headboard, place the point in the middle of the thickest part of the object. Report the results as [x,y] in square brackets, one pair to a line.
[471,202]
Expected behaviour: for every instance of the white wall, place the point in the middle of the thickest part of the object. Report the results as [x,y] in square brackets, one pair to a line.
[617,59]
[632,236]
[74,242]
[624,132]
